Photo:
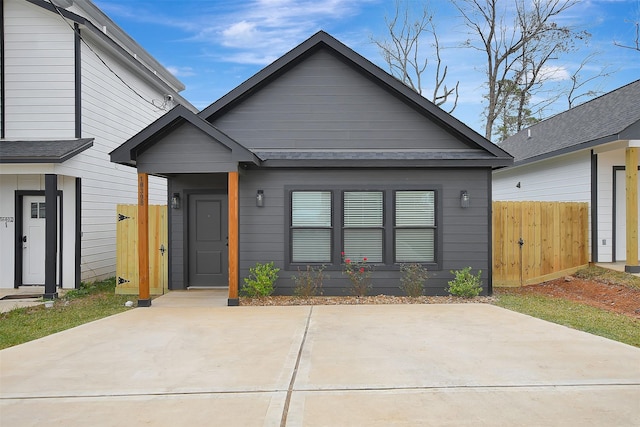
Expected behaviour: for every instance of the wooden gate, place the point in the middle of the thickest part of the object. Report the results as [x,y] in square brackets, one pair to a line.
[127,250]
[538,241]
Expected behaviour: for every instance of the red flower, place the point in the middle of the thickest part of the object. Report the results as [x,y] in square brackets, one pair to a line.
[364,259]
[361,269]
[348,261]
[342,253]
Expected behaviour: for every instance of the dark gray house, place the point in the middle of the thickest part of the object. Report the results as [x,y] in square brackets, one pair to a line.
[320,153]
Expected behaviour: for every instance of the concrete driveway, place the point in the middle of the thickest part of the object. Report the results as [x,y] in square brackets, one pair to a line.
[191,361]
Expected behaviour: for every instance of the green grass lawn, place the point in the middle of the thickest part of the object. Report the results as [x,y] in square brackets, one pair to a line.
[97,300]
[574,315]
[580,316]
[90,302]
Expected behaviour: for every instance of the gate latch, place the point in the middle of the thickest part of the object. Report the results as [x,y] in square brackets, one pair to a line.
[162,250]
[521,242]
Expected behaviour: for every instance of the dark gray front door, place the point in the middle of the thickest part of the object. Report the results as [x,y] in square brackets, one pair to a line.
[208,252]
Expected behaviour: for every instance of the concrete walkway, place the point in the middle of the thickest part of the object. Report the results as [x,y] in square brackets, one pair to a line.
[185,364]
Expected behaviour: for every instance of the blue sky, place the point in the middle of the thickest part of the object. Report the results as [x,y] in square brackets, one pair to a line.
[213,46]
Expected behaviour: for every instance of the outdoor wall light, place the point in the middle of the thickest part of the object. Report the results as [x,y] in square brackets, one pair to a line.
[175,201]
[464,199]
[260,198]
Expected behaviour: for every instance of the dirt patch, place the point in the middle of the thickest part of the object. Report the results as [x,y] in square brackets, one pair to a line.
[607,296]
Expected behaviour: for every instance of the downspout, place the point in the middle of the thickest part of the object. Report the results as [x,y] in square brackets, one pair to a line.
[78,79]
[594,207]
[2,67]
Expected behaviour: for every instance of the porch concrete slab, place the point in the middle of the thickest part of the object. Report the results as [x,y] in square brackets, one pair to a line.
[324,365]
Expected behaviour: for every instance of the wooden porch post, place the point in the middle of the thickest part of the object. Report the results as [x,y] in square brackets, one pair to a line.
[233,238]
[631,169]
[144,298]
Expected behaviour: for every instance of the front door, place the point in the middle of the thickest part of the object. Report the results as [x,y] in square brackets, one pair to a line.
[33,240]
[208,257]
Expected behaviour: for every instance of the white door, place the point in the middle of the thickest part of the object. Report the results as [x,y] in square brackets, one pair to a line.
[33,240]
[621,216]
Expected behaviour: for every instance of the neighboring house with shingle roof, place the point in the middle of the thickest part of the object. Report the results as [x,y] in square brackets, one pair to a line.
[580,155]
[320,153]
[74,87]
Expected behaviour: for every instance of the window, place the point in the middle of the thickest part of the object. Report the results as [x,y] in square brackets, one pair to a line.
[311,226]
[388,226]
[415,223]
[38,210]
[363,218]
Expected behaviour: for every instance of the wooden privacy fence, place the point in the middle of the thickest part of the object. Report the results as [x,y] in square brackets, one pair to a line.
[538,241]
[127,250]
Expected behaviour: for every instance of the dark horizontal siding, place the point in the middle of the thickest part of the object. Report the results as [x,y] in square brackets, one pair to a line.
[322,103]
[465,231]
[186,150]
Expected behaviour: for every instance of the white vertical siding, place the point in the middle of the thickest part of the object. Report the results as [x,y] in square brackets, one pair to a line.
[39,58]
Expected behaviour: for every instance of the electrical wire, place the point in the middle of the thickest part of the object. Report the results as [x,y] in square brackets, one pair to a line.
[162,107]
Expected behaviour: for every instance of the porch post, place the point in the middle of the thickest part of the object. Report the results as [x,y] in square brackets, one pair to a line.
[144,298]
[51,236]
[233,238]
[631,169]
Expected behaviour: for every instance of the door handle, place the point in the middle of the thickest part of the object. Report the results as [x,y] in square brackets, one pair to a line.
[24,239]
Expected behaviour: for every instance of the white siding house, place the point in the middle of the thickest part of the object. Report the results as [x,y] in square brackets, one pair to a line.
[74,87]
[581,156]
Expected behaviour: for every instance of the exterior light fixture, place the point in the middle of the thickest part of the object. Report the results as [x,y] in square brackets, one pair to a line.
[260,198]
[175,201]
[464,199]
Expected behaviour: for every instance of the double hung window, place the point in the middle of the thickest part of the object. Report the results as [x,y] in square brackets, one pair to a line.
[388,227]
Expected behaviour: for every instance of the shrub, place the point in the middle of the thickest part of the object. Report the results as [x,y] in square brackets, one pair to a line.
[359,273]
[465,284]
[260,281]
[308,283]
[412,279]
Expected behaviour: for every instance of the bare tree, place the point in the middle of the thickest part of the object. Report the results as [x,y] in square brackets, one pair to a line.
[518,39]
[578,82]
[406,58]
[635,44]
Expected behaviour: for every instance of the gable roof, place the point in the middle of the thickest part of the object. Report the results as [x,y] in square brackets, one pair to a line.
[127,153]
[611,117]
[51,151]
[322,40]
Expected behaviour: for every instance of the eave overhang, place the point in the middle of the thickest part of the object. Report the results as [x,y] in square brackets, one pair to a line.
[42,151]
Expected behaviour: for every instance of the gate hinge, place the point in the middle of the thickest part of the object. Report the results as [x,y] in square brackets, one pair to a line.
[121,280]
[122,217]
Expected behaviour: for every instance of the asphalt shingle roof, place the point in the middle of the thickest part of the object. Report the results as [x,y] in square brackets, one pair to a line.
[600,120]
[42,151]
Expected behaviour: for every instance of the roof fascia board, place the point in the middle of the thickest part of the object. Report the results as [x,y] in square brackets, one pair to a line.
[386,164]
[126,153]
[568,150]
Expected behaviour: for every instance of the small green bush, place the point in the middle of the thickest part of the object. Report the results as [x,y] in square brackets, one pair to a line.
[412,279]
[261,280]
[308,283]
[465,284]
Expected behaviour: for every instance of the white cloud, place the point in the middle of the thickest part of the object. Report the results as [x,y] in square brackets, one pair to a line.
[181,71]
